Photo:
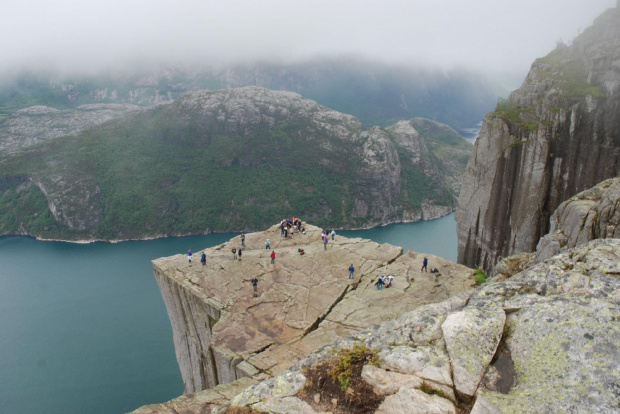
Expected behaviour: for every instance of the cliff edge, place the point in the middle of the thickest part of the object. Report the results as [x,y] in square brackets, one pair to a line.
[222,333]
[555,136]
[545,340]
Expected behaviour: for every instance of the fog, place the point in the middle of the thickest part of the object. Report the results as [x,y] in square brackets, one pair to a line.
[488,35]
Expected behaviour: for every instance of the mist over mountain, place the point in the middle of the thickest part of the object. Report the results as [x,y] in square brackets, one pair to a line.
[376,93]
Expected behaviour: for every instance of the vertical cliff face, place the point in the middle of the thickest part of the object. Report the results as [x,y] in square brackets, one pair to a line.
[555,136]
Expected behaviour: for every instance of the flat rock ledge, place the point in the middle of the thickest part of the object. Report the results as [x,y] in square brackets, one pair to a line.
[558,348]
[224,335]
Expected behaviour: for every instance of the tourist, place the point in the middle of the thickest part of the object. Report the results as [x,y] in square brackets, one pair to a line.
[325,243]
[285,232]
[434,270]
[239,252]
[242,242]
[333,234]
[268,244]
[255,286]
[203,258]
[351,271]
[189,255]
[424,265]
[379,283]
[390,279]
[273,257]
[234,252]
[281,227]
[292,231]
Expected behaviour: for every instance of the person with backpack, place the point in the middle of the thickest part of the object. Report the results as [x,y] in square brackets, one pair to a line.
[379,283]
[255,286]
[268,244]
[203,258]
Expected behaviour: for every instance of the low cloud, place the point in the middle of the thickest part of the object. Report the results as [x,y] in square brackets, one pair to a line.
[486,35]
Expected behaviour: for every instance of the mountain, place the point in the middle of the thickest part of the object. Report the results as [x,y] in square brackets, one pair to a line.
[376,93]
[555,136]
[228,160]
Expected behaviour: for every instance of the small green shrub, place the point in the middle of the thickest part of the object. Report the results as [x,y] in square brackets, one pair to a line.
[348,358]
[428,389]
[480,277]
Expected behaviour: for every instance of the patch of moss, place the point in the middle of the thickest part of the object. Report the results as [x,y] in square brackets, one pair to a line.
[480,276]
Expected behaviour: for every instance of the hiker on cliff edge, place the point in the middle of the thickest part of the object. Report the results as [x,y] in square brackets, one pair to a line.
[189,255]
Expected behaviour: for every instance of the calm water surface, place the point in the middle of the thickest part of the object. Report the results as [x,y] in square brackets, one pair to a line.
[83,328]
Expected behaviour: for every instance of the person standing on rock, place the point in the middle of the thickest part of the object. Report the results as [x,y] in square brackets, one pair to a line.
[285,232]
[351,271]
[325,243]
[255,286]
[379,283]
[239,252]
[189,256]
[273,257]
[268,244]
[242,242]
[234,252]
[203,258]
[333,234]
[424,265]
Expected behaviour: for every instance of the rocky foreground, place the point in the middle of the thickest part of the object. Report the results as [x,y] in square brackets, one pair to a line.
[223,335]
[545,340]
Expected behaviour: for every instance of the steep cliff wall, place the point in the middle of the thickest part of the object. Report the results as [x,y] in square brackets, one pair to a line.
[223,334]
[555,136]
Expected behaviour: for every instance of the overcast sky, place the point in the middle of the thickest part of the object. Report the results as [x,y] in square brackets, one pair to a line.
[479,34]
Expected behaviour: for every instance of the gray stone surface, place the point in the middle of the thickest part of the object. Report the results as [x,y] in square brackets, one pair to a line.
[562,339]
[472,336]
[589,215]
[412,401]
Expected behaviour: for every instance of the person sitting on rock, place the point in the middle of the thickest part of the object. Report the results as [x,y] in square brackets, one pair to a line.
[434,270]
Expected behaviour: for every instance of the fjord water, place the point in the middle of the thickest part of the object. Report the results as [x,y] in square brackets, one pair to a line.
[83,327]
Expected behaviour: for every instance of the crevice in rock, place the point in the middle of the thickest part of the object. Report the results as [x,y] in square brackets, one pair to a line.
[320,319]
[503,377]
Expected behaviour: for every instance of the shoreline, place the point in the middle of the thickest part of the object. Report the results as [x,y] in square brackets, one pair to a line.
[114,241]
